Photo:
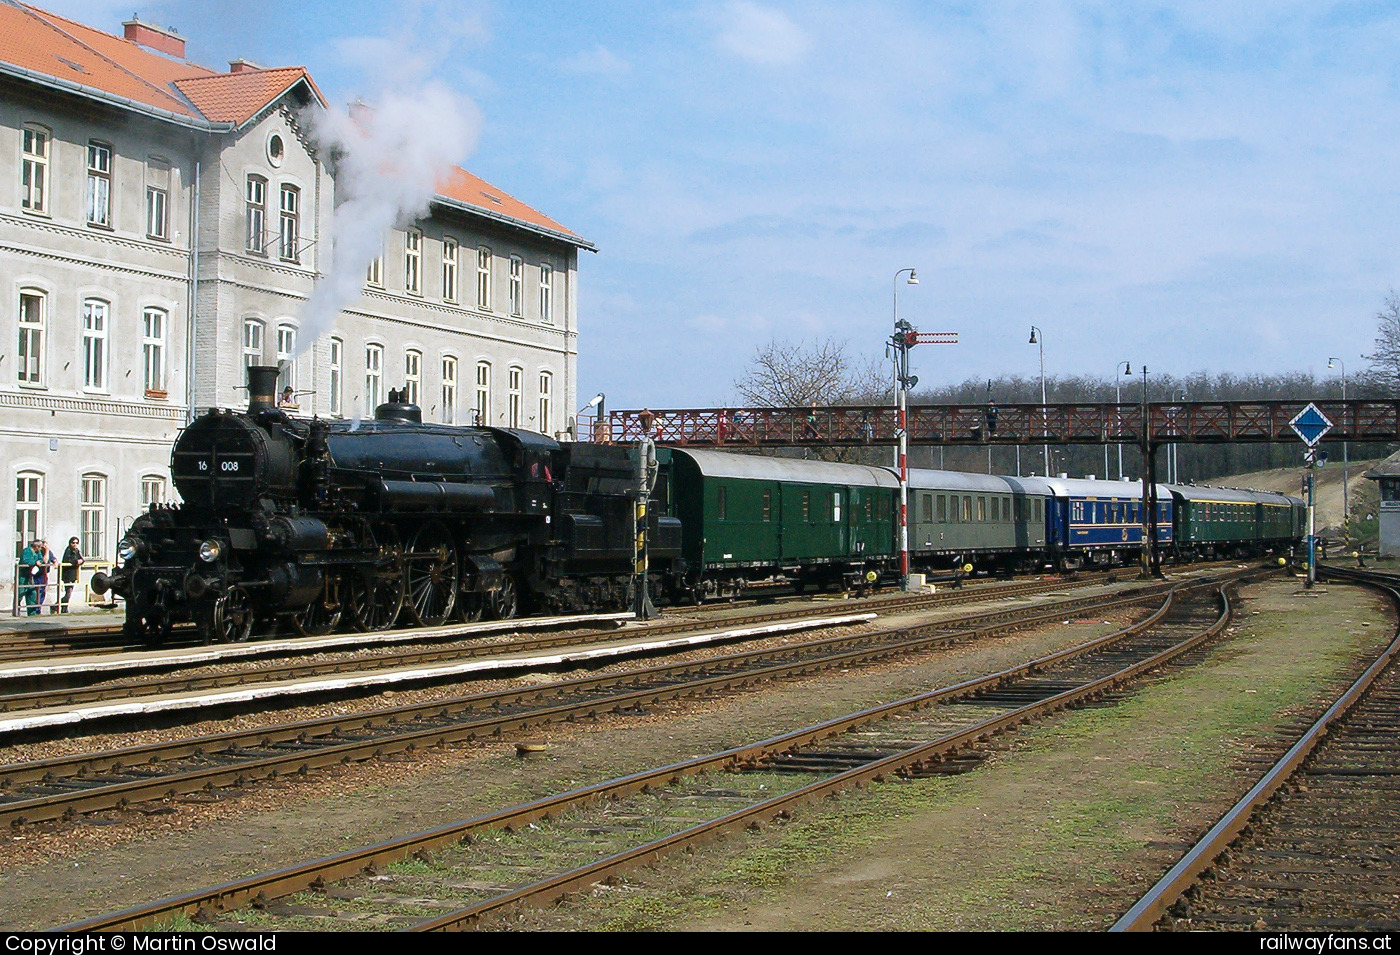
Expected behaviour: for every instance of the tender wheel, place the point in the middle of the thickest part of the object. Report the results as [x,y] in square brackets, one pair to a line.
[233,616]
[376,593]
[504,604]
[324,613]
[432,575]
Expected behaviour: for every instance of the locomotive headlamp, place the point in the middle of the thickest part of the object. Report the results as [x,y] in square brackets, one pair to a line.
[209,551]
[127,549]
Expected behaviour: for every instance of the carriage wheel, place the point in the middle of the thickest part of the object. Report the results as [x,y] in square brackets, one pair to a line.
[431,572]
[504,604]
[323,614]
[375,593]
[233,616]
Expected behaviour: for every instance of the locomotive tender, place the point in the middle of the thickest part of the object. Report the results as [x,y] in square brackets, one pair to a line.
[327,524]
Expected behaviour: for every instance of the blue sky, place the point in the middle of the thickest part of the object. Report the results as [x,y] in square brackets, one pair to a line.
[1200,186]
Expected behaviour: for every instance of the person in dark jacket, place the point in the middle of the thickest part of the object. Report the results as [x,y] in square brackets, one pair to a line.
[68,570]
[27,561]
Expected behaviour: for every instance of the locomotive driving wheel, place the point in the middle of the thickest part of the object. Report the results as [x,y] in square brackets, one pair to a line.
[233,616]
[323,614]
[431,573]
[376,592]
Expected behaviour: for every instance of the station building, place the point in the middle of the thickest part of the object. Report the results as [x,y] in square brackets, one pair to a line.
[162,226]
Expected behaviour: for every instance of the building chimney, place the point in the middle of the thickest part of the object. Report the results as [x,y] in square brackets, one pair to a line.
[241,65]
[154,38]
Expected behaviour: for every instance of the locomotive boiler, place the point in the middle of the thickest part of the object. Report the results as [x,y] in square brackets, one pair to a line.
[326,524]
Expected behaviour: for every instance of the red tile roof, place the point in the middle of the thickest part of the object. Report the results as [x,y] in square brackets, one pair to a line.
[467,189]
[46,45]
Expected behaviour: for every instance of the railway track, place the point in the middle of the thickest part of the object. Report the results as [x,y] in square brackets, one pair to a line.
[454,877]
[74,785]
[1314,846]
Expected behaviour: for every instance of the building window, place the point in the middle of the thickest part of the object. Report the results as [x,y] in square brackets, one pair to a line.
[95,312]
[483,279]
[517,285]
[449,270]
[374,377]
[158,199]
[252,342]
[413,376]
[99,191]
[547,294]
[152,491]
[413,262]
[289,224]
[286,358]
[449,390]
[336,374]
[256,207]
[92,504]
[153,351]
[34,170]
[513,397]
[31,337]
[546,392]
[374,275]
[483,393]
[29,495]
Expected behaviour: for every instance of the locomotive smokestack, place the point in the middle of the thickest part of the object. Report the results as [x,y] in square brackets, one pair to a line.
[262,388]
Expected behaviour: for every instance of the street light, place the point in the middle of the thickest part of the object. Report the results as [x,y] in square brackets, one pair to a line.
[1117,417]
[903,382]
[1346,504]
[1175,473]
[596,402]
[1044,421]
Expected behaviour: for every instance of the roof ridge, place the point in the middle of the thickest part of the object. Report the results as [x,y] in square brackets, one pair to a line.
[49,19]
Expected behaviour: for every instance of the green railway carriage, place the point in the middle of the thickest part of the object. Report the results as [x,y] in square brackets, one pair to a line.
[748,518]
[987,521]
[1223,522]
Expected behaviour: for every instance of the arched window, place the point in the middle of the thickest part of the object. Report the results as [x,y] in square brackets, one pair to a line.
[483,279]
[34,171]
[449,390]
[337,375]
[152,490]
[374,377]
[153,321]
[92,505]
[95,317]
[513,396]
[252,342]
[286,357]
[546,402]
[32,307]
[483,393]
[29,503]
[413,376]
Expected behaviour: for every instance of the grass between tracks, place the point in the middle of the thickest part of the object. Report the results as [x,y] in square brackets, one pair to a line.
[1062,830]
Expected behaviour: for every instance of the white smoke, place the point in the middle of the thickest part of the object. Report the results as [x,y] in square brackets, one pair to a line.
[388,160]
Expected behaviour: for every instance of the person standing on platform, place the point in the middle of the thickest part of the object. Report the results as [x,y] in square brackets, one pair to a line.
[28,559]
[68,571]
[41,573]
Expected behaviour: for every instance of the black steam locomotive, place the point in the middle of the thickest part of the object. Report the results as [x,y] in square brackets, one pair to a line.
[318,523]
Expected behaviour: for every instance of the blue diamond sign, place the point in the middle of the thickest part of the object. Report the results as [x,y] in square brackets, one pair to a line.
[1310,425]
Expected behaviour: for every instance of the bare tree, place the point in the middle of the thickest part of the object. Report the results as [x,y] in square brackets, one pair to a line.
[1384,372]
[794,374]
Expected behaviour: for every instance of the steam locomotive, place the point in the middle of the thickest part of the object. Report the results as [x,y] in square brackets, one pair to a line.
[327,523]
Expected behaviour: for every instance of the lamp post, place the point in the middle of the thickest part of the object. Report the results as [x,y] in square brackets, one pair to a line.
[1118,380]
[1175,473]
[1346,504]
[1148,518]
[902,393]
[596,402]
[1044,422]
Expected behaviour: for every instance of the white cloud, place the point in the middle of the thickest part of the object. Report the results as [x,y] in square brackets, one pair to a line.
[762,35]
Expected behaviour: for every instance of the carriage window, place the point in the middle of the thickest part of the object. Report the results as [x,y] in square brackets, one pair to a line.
[927,502]
[1039,513]
[996,509]
[806,505]
[942,509]
[967,509]
[721,507]
[982,510]
[767,505]
[836,507]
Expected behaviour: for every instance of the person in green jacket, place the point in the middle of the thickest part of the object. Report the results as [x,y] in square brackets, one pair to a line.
[28,592]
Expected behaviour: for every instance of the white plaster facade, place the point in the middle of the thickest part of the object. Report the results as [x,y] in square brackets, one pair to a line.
[101,363]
